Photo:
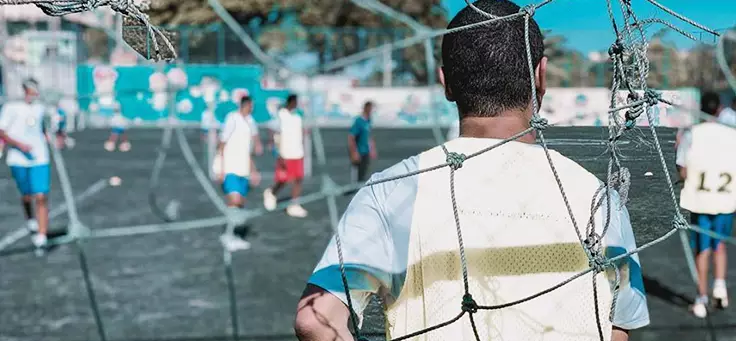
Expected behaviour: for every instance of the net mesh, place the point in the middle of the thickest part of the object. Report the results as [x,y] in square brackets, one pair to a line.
[630,71]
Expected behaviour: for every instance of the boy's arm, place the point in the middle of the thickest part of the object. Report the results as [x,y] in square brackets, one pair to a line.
[6,118]
[13,142]
[322,312]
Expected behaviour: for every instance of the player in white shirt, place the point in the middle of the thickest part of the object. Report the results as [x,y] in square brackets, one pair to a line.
[118,123]
[727,115]
[22,127]
[290,161]
[233,163]
[208,124]
[709,196]
[257,146]
[399,238]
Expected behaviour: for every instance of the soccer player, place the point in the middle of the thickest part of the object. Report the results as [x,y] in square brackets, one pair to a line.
[208,123]
[290,162]
[728,114]
[118,124]
[709,196]
[400,241]
[233,163]
[21,126]
[361,145]
[257,146]
[61,119]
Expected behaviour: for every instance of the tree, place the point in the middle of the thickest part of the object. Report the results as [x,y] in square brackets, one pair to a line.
[275,22]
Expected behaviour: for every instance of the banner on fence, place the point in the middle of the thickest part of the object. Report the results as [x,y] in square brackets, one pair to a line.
[399,107]
[139,93]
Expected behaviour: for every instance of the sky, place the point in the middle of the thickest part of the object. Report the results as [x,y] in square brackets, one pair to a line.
[586,25]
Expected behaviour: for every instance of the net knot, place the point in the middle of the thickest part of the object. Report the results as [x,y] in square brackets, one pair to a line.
[636,110]
[528,10]
[616,48]
[596,259]
[122,6]
[469,304]
[680,223]
[455,160]
[539,123]
[652,97]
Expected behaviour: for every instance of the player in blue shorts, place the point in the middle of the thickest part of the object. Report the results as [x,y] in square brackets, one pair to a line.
[233,163]
[118,123]
[21,126]
[709,196]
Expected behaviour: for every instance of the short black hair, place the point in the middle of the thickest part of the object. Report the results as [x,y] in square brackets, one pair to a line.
[486,68]
[367,103]
[291,98]
[245,99]
[710,102]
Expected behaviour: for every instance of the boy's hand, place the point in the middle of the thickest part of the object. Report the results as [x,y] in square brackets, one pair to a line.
[25,148]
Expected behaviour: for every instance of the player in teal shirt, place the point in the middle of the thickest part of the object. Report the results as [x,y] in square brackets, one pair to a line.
[361,144]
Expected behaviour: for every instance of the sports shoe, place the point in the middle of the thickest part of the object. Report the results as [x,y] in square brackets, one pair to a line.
[125,147]
[233,243]
[699,309]
[32,225]
[296,211]
[110,146]
[269,200]
[720,295]
[40,242]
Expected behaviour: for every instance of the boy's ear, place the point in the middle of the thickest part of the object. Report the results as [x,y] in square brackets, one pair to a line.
[441,76]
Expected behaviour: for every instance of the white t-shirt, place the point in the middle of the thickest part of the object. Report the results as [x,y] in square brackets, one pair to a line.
[23,122]
[236,135]
[727,116]
[208,120]
[383,221]
[118,121]
[253,125]
[291,131]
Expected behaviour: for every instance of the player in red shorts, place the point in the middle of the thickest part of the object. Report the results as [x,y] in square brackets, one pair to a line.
[290,160]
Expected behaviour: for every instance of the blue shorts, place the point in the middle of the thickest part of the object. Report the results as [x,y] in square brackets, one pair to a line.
[235,184]
[32,180]
[717,223]
[118,130]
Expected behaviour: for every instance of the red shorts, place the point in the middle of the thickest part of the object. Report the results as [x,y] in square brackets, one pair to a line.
[289,170]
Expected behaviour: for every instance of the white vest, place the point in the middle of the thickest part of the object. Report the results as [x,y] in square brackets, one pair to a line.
[711,170]
[519,240]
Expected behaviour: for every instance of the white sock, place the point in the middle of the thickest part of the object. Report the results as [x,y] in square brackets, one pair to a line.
[719,283]
[702,299]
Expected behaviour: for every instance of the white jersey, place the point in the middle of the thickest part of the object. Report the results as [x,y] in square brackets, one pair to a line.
[291,135]
[727,116]
[23,122]
[704,151]
[208,120]
[236,135]
[118,121]
[399,240]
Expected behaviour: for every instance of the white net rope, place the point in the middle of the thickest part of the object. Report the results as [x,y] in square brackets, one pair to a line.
[630,71]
